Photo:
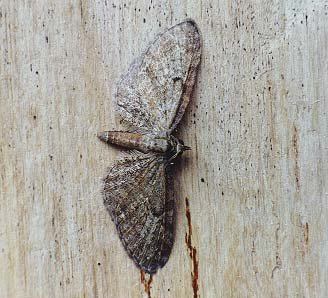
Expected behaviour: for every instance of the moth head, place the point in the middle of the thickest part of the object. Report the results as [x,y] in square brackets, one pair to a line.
[177,146]
[180,146]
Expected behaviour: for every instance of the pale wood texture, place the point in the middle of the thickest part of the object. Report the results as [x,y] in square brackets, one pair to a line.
[256,178]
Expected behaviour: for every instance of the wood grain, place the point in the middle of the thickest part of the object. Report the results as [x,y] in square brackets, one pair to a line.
[251,195]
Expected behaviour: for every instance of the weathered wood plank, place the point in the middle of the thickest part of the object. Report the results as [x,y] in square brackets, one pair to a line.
[252,194]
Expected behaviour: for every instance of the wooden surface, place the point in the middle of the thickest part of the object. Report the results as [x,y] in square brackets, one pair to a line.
[252,194]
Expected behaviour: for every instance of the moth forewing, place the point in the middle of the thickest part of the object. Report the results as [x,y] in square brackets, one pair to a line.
[156,89]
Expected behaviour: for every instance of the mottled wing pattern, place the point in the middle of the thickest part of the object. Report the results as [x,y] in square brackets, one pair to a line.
[154,93]
[135,196]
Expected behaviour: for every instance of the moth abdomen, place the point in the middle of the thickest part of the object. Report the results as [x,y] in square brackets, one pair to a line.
[132,140]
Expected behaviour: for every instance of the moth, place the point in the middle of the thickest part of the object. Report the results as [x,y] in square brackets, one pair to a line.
[151,98]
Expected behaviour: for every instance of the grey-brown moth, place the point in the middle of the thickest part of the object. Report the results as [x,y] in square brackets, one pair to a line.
[151,98]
